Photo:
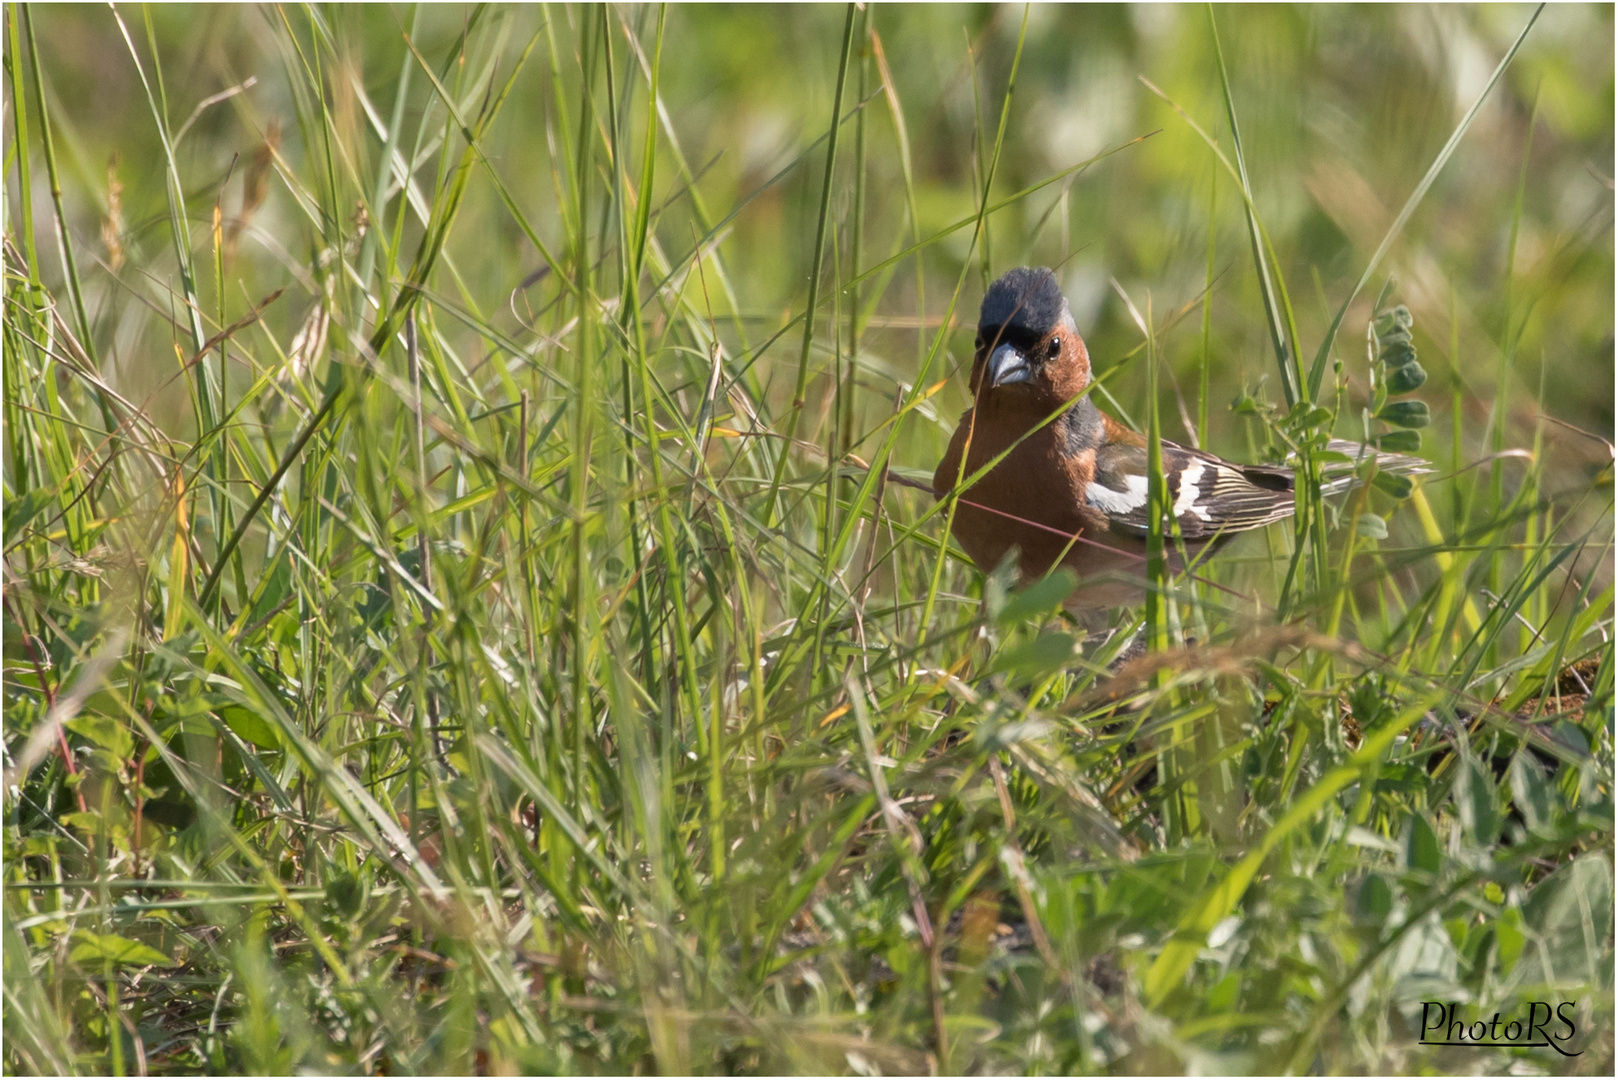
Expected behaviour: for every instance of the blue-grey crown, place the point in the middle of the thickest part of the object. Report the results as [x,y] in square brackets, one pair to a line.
[1026,299]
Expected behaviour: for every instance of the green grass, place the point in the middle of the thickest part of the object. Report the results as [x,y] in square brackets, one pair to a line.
[468,608]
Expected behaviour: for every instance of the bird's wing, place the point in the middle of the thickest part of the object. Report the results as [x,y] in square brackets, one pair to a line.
[1339,476]
[1207,495]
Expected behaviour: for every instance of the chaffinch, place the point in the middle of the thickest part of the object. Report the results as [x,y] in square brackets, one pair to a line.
[1074,490]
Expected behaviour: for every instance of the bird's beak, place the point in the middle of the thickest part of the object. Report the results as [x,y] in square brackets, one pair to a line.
[1007,365]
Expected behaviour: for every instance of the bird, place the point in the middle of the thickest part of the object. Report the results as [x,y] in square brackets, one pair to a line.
[1072,488]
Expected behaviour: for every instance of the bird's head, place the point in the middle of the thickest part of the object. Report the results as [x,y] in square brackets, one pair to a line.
[1028,347]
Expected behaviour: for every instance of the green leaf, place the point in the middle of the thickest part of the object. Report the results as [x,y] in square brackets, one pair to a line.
[250,727]
[105,732]
[1531,793]
[346,892]
[1421,847]
[1509,937]
[1568,917]
[94,948]
[1392,320]
[1393,484]
[1399,442]
[1405,414]
[1313,418]
[276,588]
[1040,598]
[1397,352]
[1406,379]
[1044,654]
[87,820]
[20,512]
[998,584]
[1475,802]
[1369,525]
[1373,901]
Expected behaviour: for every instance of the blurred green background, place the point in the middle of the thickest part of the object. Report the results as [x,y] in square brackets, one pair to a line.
[1342,110]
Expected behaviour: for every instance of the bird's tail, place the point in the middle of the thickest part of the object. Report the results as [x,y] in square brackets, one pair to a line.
[1339,476]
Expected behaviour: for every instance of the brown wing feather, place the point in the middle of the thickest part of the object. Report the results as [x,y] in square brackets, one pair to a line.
[1207,495]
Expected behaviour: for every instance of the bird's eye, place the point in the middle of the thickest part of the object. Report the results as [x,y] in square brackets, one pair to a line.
[1054,349]
[978,341]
